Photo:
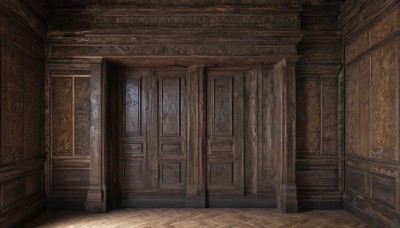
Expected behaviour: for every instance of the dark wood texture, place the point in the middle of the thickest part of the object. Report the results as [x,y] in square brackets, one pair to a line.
[372,50]
[189,102]
[317,147]
[67,115]
[22,29]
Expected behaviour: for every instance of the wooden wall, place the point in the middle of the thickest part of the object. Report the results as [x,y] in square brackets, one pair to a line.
[93,29]
[22,27]
[371,32]
[318,176]
[82,33]
[67,128]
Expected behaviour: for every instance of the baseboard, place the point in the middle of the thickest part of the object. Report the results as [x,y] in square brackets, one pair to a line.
[147,202]
[212,202]
[373,214]
[245,202]
[320,204]
[65,204]
[22,215]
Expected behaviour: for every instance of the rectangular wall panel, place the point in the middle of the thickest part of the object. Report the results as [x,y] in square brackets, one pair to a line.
[383,189]
[356,180]
[82,116]
[170,106]
[12,103]
[61,116]
[352,109]
[329,116]
[309,115]
[132,107]
[383,102]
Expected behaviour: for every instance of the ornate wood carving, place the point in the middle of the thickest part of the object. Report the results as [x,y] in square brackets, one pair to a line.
[225,132]
[308,108]
[383,103]
[329,116]
[62,116]
[82,115]
[62,51]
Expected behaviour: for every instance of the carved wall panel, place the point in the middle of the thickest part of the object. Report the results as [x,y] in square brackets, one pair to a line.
[309,123]
[372,104]
[225,132]
[155,151]
[317,132]
[67,114]
[329,116]
[62,116]
[365,106]
[82,114]
[152,145]
[383,103]
[352,106]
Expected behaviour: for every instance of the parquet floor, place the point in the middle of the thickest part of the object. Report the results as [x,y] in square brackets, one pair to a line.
[185,217]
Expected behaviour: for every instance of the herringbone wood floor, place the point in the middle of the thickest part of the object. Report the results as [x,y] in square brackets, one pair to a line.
[185,217]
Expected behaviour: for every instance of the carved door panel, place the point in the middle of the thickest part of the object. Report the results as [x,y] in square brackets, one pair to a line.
[225,133]
[132,148]
[152,135]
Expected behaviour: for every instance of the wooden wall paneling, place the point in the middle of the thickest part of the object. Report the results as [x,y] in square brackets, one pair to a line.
[251,129]
[196,119]
[284,80]
[341,131]
[225,131]
[21,69]
[383,81]
[172,129]
[96,195]
[13,85]
[67,95]
[317,104]
[268,160]
[372,103]
[309,123]
[210,38]
[132,138]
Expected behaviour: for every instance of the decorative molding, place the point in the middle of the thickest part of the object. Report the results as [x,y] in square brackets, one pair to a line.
[64,51]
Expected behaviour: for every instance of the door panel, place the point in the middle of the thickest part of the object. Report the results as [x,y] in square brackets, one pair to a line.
[152,135]
[132,131]
[172,129]
[225,133]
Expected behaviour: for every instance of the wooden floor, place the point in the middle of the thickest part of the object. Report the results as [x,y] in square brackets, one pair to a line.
[186,217]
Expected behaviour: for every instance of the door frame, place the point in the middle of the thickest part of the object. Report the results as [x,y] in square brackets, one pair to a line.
[99,196]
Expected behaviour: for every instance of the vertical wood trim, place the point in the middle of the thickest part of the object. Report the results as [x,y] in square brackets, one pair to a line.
[152,131]
[95,195]
[259,129]
[250,139]
[47,129]
[196,103]
[341,133]
[287,195]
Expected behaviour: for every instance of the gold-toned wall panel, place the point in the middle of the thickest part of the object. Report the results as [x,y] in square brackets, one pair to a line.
[383,102]
[309,115]
[61,115]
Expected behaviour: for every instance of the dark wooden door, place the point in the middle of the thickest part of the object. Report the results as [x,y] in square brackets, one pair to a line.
[225,133]
[153,129]
[152,133]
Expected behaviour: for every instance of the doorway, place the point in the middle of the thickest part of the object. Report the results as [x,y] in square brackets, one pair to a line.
[153,130]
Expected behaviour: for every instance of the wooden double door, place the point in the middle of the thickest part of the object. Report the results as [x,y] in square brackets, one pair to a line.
[160,113]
